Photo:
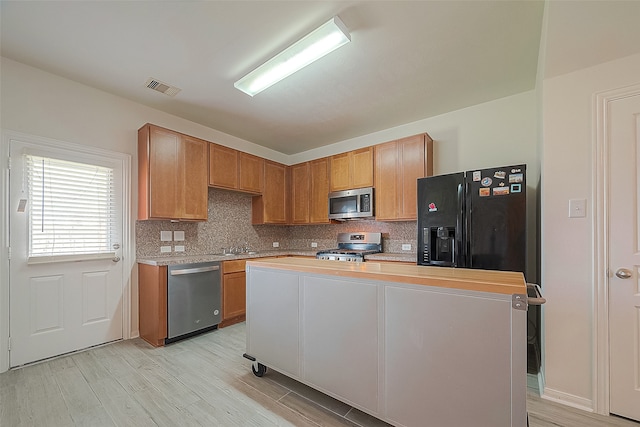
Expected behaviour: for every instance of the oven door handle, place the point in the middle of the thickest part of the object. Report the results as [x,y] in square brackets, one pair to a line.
[194,270]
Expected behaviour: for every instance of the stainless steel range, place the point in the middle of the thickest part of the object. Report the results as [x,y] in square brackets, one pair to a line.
[353,247]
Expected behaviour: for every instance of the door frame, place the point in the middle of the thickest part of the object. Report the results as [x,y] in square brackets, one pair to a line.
[600,185]
[127,231]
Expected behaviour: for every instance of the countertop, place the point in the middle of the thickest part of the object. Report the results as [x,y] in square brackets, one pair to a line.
[190,259]
[501,282]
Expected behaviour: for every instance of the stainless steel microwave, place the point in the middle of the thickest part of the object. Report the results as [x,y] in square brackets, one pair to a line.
[351,204]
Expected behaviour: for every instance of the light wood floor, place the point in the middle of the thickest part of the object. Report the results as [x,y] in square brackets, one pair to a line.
[200,381]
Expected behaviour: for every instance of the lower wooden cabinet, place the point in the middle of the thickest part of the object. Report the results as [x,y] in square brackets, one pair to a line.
[152,303]
[234,295]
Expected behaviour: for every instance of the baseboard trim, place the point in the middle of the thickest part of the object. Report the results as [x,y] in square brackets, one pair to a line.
[567,399]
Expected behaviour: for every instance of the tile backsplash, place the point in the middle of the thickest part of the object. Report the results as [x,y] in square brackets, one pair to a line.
[229,225]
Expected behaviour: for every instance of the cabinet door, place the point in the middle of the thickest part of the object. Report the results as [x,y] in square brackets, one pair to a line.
[345,360]
[164,173]
[272,206]
[386,182]
[234,295]
[362,168]
[319,201]
[340,179]
[411,154]
[398,165]
[275,193]
[223,167]
[300,184]
[193,178]
[251,173]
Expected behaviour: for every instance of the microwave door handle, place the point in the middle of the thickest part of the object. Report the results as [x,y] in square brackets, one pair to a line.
[358,203]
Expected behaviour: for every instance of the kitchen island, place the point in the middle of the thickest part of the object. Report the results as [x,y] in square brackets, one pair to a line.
[408,344]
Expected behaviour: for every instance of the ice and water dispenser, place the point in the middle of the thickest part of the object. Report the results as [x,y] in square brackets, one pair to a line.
[440,245]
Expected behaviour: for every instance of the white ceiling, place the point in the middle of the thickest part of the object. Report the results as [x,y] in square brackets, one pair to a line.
[407,60]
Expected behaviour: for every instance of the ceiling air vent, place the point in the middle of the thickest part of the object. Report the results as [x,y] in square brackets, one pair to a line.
[161,87]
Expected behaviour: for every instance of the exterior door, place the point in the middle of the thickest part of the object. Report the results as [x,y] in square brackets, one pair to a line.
[624,257]
[65,294]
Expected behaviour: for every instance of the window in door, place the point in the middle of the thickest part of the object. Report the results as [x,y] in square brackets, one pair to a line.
[72,213]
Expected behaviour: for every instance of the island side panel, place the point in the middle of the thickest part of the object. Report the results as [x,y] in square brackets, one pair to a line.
[519,367]
[273,319]
[340,341]
[448,358]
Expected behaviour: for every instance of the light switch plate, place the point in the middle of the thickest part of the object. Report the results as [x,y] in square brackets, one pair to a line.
[276,244]
[178,236]
[165,236]
[165,249]
[406,246]
[314,245]
[577,208]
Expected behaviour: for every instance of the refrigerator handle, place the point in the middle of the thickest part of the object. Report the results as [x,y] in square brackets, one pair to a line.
[460,231]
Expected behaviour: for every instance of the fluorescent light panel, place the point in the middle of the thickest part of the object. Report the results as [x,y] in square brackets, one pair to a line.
[321,41]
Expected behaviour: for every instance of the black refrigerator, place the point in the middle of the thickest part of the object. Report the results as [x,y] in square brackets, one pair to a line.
[474,219]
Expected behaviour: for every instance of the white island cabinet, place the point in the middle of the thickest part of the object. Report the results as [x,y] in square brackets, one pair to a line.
[411,345]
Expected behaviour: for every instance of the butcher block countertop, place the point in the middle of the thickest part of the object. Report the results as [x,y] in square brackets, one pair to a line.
[501,282]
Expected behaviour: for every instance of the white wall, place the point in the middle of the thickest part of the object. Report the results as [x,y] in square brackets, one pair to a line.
[499,132]
[568,243]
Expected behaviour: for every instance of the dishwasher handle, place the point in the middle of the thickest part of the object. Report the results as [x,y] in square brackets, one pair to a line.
[194,270]
[538,299]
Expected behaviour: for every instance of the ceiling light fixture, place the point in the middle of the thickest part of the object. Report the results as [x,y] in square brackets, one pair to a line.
[321,41]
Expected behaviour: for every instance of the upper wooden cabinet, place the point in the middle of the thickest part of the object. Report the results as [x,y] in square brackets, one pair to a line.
[319,191]
[172,175]
[309,192]
[398,165]
[300,184]
[235,170]
[353,169]
[251,170]
[272,207]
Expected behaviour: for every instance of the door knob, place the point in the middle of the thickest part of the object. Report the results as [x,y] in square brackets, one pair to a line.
[116,259]
[623,273]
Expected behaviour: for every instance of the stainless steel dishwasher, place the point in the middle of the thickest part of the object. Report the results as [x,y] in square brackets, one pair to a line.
[193,299]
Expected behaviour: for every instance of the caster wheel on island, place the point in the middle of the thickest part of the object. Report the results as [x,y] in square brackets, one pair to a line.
[258,370]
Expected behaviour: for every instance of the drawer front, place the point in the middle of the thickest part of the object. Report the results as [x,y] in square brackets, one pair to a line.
[233,266]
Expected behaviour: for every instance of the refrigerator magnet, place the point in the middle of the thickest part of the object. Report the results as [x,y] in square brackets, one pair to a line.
[484,192]
[516,188]
[500,174]
[517,177]
[477,175]
[500,191]
[486,181]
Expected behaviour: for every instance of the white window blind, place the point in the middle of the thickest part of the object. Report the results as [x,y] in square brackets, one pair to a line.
[72,209]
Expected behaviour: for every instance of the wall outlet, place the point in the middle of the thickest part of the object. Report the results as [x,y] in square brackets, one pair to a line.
[178,236]
[406,246]
[276,244]
[179,248]
[314,245]
[165,236]
[165,249]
